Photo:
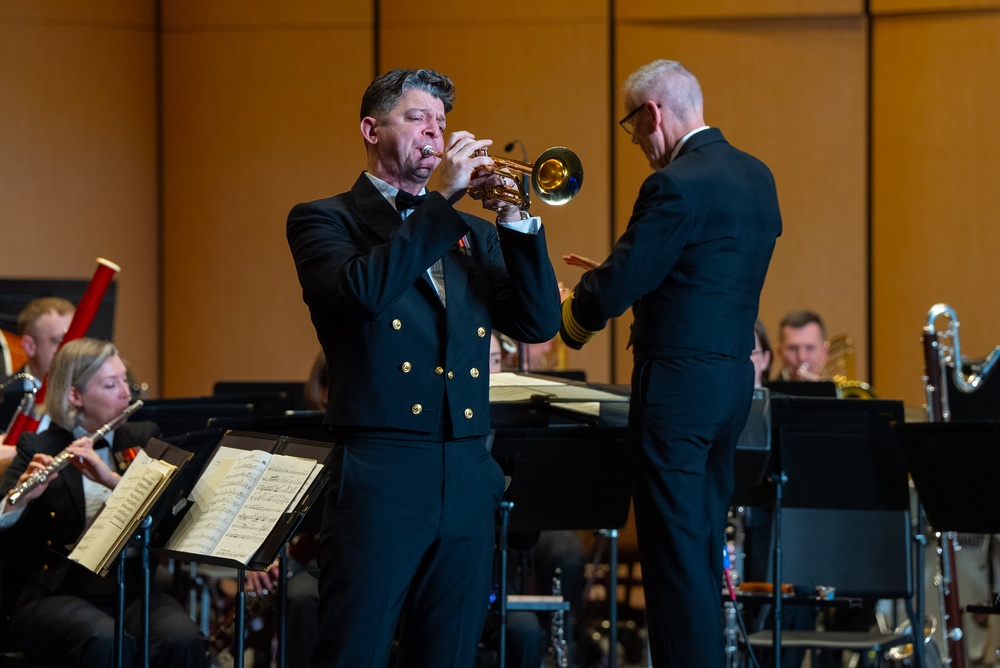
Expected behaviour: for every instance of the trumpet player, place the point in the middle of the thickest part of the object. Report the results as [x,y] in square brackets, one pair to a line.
[803,347]
[403,290]
[87,389]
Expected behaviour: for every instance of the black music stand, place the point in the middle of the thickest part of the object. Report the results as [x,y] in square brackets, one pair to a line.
[831,454]
[952,464]
[273,546]
[554,472]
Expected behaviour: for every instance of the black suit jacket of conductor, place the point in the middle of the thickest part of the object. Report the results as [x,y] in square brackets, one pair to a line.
[693,257]
[54,521]
[399,359]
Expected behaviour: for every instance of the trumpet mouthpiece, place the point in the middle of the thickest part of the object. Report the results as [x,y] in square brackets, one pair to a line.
[428,151]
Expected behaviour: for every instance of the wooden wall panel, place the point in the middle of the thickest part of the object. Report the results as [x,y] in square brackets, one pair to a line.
[119,13]
[652,10]
[554,91]
[887,7]
[220,15]
[256,119]
[78,154]
[935,187]
[792,93]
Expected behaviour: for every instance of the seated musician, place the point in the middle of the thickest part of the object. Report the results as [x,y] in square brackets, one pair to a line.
[87,388]
[41,325]
[802,347]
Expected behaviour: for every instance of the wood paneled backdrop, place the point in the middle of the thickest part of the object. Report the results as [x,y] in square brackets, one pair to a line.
[173,138]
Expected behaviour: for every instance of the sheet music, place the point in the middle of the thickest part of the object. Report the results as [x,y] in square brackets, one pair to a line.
[511,379]
[509,387]
[305,487]
[279,484]
[132,498]
[234,479]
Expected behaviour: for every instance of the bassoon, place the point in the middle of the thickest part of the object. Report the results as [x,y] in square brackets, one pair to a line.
[938,357]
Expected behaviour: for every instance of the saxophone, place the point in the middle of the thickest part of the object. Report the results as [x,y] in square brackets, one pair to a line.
[942,350]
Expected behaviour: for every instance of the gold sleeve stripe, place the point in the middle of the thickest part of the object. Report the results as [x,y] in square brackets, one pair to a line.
[571,327]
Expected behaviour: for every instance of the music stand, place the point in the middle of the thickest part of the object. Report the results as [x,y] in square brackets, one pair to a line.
[952,463]
[752,459]
[819,445]
[554,472]
[176,417]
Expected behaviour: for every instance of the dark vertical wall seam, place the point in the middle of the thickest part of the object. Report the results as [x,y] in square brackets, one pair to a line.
[869,233]
[612,181]
[376,37]
[160,231]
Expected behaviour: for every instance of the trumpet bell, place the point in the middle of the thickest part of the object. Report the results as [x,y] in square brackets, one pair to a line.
[557,175]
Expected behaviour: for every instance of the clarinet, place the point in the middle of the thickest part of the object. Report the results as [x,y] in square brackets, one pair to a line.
[557,627]
[63,459]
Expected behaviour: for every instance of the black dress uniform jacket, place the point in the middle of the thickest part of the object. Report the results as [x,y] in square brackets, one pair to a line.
[398,358]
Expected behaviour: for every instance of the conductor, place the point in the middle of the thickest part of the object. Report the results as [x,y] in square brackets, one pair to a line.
[691,264]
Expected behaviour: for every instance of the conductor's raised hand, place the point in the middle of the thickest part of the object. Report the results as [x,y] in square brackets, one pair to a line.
[575,260]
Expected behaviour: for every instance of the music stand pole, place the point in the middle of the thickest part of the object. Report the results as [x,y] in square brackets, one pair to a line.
[120,617]
[917,616]
[505,508]
[241,597]
[779,483]
[282,604]
[144,533]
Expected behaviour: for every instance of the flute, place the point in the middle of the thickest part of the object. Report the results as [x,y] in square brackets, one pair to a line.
[62,460]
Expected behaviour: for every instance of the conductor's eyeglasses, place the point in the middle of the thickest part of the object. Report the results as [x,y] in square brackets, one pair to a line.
[628,123]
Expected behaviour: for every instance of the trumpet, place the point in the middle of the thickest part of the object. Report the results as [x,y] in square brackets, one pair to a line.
[62,460]
[557,176]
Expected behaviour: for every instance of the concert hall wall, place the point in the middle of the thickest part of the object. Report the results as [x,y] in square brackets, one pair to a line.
[173,137]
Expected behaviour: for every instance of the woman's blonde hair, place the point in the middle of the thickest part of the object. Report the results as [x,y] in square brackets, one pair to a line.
[74,364]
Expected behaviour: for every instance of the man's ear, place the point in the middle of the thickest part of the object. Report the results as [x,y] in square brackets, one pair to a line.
[28,343]
[368,129]
[655,113]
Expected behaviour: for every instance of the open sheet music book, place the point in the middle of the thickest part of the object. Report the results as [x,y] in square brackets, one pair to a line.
[144,481]
[243,503]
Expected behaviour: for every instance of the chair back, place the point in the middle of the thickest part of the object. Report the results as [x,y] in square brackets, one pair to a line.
[862,553]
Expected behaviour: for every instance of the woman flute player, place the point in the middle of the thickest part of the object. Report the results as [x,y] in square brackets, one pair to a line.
[64,611]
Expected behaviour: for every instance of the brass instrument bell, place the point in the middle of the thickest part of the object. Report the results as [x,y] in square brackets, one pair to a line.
[556,177]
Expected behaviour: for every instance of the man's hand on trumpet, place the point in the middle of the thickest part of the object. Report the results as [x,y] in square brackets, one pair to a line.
[506,211]
[460,159]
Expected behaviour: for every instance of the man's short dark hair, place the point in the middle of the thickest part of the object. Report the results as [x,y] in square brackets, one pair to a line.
[799,319]
[384,92]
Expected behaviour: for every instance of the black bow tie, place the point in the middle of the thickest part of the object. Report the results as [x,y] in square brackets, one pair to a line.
[101,443]
[405,200]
